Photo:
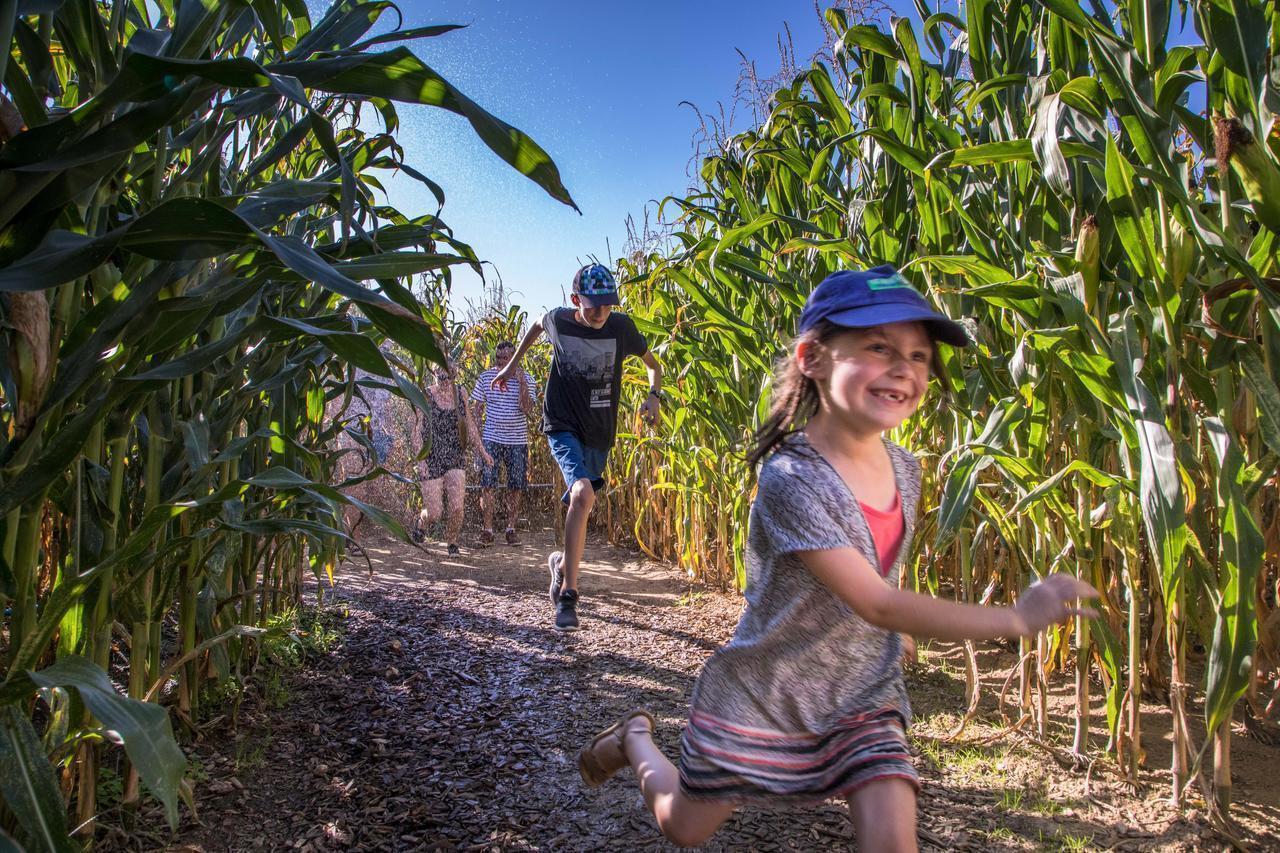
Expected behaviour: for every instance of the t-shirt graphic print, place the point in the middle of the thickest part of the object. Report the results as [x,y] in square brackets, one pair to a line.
[593,362]
[586,372]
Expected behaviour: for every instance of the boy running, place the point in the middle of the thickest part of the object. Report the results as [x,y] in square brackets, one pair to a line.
[580,409]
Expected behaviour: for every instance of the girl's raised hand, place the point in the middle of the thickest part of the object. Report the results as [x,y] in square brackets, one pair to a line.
[1052,600]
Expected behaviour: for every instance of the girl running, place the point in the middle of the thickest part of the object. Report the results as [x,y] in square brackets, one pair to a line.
[442,472]
[807,700]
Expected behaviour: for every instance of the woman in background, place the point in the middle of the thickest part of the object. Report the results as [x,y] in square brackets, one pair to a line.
[442,474]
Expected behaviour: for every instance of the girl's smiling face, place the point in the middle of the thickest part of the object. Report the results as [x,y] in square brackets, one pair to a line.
[872,379]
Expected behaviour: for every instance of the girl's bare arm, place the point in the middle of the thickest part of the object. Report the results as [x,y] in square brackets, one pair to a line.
[848,574]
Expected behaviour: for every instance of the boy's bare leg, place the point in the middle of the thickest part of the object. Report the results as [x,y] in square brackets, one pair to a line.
[683,821]
[582,498]
[884,815]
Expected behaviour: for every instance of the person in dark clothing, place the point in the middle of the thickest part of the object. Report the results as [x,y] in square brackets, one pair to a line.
[590,341]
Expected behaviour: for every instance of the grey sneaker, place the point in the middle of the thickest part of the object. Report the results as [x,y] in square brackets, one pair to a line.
[554,562]
[567,611]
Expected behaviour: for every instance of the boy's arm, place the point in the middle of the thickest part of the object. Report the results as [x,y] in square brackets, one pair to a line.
[505,374]
[649,408]
[655,371]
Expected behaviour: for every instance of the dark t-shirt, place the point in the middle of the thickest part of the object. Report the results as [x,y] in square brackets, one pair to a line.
[586,374]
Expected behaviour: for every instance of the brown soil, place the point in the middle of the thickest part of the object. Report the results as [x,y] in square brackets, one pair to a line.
[450,715]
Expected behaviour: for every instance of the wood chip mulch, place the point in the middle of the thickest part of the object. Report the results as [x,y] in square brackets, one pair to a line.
[450,715]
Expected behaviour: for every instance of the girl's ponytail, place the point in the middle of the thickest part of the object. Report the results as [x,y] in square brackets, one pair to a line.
[794,399]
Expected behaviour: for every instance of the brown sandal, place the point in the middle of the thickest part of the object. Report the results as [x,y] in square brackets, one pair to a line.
[597,769]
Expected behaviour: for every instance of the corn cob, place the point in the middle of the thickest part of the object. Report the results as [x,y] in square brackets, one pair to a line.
[1259,176]
[1182,256]
[1088,260]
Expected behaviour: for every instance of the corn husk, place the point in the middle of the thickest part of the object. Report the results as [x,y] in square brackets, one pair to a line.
[1253,166]
[1088,259]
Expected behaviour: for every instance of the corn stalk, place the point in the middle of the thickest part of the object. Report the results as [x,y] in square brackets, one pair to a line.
[194,259]
[1040,172]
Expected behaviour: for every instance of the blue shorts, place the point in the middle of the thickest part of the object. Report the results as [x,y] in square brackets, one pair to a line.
[576,461]
[514,457]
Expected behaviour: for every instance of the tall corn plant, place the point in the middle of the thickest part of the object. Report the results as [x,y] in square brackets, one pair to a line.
[1040,171]
[189,218]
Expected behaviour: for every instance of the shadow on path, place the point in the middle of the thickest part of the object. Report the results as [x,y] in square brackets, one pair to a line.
[450,716]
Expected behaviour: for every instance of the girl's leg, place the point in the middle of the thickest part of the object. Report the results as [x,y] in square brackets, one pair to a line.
[884,815]
[455,487]
[684,822]
[432,501]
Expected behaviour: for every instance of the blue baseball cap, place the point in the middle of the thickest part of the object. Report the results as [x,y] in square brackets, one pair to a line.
[595,286]
[859,299]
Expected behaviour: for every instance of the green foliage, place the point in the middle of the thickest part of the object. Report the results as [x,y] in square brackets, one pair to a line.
[217,695]
[250,754]
[142,727]
[1038,171]
[110,787]
[194,260]
[294,635]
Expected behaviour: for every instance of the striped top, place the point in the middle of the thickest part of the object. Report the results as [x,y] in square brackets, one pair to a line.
[504,423]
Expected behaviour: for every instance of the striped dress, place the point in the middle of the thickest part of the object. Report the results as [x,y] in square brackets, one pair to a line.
[807,700]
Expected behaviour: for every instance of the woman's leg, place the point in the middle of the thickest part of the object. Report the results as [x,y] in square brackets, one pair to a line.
[884,815]
[455,487]
[684,822]
[432,501]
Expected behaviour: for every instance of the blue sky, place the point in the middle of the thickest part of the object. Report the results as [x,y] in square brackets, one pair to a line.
[599,86]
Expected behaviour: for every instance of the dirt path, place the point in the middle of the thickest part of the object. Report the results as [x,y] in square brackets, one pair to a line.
[450,715]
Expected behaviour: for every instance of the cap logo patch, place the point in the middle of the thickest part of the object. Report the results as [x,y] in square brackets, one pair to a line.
[890,282]
[596,281]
